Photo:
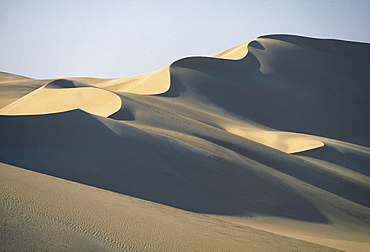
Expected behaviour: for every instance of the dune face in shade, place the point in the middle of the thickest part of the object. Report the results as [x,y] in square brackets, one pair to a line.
[262,147]
[64,95]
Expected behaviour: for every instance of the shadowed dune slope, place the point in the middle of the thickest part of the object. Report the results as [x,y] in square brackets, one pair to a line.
[272,133]
[299,87]
[144,164]
[76,217]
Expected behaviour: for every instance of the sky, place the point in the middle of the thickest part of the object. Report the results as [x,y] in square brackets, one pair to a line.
[112,39]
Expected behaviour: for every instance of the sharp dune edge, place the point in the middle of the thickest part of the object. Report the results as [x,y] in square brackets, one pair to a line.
[262,147]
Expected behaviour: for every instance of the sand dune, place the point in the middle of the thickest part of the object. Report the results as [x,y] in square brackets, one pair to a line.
[263,147]
[64,95]
[14,87]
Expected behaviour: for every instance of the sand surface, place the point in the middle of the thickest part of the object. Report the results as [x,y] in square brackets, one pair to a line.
[262,147]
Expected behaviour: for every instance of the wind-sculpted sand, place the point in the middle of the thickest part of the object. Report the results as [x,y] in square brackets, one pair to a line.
[263,147]
[65,95]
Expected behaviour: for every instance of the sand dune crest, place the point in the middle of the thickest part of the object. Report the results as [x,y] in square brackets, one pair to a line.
[63,95]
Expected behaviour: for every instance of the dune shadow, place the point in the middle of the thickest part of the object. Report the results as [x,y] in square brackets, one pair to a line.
[123,113]
[205,66]
[76,146]
[65,83]
[61,83]
[356,161]
[176,88]
[286,164]
[256,44]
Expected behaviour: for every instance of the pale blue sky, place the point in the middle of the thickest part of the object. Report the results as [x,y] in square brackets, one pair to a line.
[110,39]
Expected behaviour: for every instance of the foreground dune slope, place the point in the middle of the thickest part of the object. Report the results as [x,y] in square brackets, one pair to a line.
[75,217]
[271,134]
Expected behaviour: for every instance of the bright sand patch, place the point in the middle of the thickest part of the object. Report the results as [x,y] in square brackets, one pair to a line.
[46,100]
[145,84]
[283,141]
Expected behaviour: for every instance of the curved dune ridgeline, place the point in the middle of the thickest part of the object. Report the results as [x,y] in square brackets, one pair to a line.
[63,95]
[262,147]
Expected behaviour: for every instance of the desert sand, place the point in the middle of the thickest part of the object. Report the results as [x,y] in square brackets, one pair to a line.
[262,147]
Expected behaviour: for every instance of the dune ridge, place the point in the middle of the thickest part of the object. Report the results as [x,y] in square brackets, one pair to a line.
[269,135]
[63,95]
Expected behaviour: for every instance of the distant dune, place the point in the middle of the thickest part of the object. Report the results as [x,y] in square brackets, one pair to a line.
[262,147]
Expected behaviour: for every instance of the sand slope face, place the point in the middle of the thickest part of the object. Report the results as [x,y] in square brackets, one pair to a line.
[271,133]
[295,84]
[64,95]
[81,218]
[14,87]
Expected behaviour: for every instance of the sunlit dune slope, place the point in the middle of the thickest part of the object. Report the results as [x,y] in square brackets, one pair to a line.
[145,84]
[271,134]
[63,95]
